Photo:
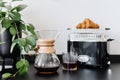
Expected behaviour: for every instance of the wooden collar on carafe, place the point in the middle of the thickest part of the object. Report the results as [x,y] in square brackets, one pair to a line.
[46,42]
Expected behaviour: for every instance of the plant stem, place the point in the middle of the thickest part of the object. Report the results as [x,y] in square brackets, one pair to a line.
[15,74]
[17,35]
[17,30]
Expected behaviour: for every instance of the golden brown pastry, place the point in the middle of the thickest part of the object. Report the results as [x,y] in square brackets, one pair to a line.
[97,26]
[87,23]
[79,26]
[83,25]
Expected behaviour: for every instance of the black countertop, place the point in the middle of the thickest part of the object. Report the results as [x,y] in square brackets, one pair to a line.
[112,73]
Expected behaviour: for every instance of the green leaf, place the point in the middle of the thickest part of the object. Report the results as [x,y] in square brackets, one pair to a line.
[2,14]
[26,48]
[23,70]
[22,41]
[6,75]
[13,30]
[18,43]
[25,32]
[6,23]
[19,7]
[22,62]
[15,16]
[31,40]
[19,64]
[32,32]
[15,41]
[22,26]
[26,63]
[35,36]
[22,65]
[12,47]
[30,27]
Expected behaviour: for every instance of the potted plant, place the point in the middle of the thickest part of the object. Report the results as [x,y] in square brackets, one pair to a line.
[11,40]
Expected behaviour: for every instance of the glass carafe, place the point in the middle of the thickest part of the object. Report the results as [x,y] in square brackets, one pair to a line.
[46,61]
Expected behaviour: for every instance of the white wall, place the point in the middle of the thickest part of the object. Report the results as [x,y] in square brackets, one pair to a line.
[61,14]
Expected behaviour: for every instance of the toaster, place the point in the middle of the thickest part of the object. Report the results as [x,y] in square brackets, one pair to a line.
[92,49]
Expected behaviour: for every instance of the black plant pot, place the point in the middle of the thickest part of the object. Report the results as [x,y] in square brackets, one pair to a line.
[5,49]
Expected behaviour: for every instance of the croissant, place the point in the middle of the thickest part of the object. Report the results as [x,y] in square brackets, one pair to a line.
[87,23]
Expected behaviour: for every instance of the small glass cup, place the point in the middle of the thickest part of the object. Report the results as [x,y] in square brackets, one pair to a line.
[69,61]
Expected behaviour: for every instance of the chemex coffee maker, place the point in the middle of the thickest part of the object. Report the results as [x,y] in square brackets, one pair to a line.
[92,49]
[46,61]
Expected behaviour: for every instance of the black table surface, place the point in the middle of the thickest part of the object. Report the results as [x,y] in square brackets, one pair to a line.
[112,73]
